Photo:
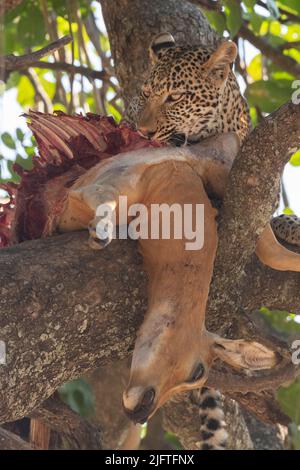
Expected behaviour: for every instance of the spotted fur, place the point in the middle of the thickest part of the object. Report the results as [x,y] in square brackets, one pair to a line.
[287,228]
[212,432]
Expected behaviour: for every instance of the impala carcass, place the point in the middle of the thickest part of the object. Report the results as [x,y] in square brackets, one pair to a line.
[173,351]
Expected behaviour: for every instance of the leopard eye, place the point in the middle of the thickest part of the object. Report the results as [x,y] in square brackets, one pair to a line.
[197,373]
[146,93]
[174,97]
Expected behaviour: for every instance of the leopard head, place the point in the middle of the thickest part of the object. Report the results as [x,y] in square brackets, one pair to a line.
[190,92]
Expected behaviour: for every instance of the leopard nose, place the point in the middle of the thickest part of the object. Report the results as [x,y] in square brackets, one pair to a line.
[146,132]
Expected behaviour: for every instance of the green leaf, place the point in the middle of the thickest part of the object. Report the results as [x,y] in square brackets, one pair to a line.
[8,140]
[78,395]
[25,163]
[249,3]
[295,160]
[289,399]
[253,116]
[292,5]
[282,321]
[114,112]
[216,20]
[254,69]
[288,211]
[20,134]
[256,21]
[234,17]
[270,94]
[173,441]
[29,150]
[13,80]
[26,93]
[15,178]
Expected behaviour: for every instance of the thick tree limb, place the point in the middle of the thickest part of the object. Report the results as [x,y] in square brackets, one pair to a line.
[72,315]
[79,302]
[10,441]
[249,203]
[71,427]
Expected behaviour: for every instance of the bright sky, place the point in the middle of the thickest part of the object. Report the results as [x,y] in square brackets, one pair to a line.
[10,112]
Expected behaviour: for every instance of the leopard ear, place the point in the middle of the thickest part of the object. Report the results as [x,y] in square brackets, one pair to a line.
[218,65]
[159,44]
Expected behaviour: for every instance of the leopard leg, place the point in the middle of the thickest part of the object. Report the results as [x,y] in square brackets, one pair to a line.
[287,228]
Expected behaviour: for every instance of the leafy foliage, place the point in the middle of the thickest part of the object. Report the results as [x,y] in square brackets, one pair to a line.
[78,395]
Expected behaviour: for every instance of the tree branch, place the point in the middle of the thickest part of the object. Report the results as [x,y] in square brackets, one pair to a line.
[10,441]
[249,203]
[12,62]
[72,69]
[69,425]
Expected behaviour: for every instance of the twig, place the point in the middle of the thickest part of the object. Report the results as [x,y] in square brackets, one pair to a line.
[72,69]
[290,45]
[71,78]
[50,24]
[12,62]
[19,62]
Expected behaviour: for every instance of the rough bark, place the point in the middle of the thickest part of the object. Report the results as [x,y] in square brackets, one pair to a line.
[72,317]
[72,431]
[10,441]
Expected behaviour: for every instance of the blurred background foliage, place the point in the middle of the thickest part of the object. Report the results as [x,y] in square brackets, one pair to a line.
[267,31]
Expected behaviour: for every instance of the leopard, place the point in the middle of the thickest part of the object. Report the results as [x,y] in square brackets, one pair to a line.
[192,93]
